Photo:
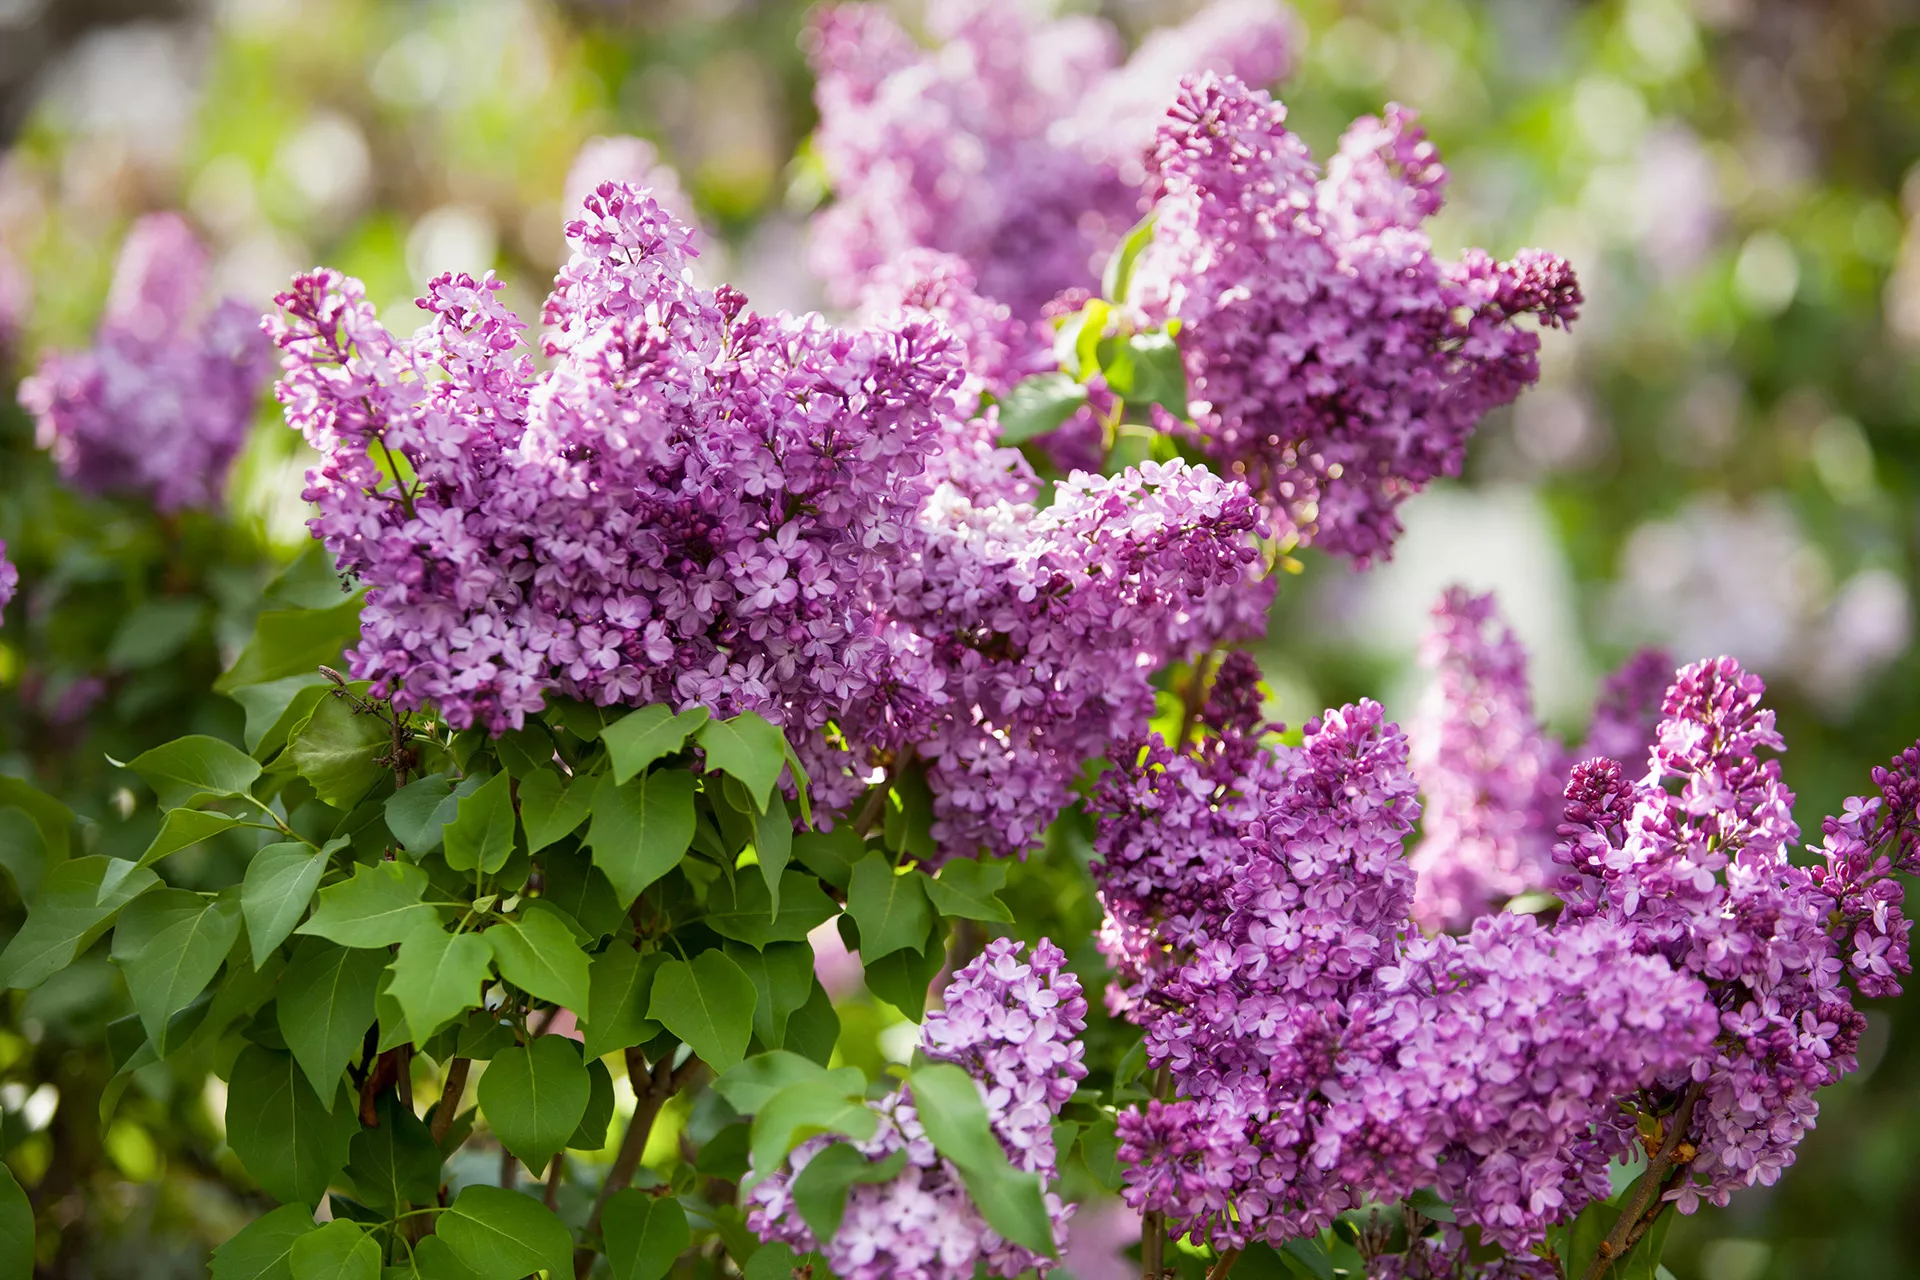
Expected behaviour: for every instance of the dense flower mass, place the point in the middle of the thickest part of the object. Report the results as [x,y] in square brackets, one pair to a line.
[697,504]
[633,161]
[160,406]
[1015,144]
[1322,1051]
[1013,1024]
[1692,861]
[1334,361]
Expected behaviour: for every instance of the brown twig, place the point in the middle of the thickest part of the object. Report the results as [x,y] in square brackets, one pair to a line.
[1153,1226]
[876,804]
[1190,703]
[1223,1264]
[450,1097]
[556,1169]
[1628,1230]
[651,1090]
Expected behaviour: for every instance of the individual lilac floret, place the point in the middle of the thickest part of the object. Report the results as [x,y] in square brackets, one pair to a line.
[1334,362]
[1693,862]
[1038,632]
[1013,1025]
[9,578]
[160,406]
[1485,770]
[1015,143]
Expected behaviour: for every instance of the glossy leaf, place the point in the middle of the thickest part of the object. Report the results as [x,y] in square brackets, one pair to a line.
[773,845]
[620,989]
[902,978]
[539,955]
[282,1133]
[708,1003]
[169,944]
[582,890]
[591,1133]
[325,1005]
[748,748]
[290,642]
[831,855]
[749,1086]
[805,1110]
[79,900]
[481,833]
[337,751]
[782,974]
[184,828]
[1145,368]
[552,807]
[16,1229]
[276,892]
[338,1250]
[194,768]
[417,814]
[641,737]
[965,888]
[534,1097]
[820,1190]
[891,908]
[641,829]
[743,909]
[263,1249]
[644,1234]
[378,907]
[437,977]
[1117,279]
[948,1102]
[1039,404]
[274,708]
[503,1235]
[394,1163]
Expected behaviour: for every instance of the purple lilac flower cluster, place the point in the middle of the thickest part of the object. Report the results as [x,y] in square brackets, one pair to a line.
[9,578]
[1692,862]
[697,504]
[1334,362]
[160,406]
[1015,144]
[1490,778]
[1013,1024]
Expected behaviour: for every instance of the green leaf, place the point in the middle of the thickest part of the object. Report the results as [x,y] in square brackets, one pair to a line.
[645,1234]
[1078,335]
[153,632]
[274,708]
[641,829]
[805,1110]
[1308,1257]
[620,987]
[708,1003]
[324,1007]
[378,907]
[437,977]
[891,909]
[831,855]
[1580,1241]
[638,739]
[1039,404]
[902,978]
[773,845]
[417,814]
[16,1229]
[54,819]
[814,1028]
[742,910]
[1146,369]
[820,1189]
[582,890]
[169,944]
[750,1085]
[279,884]
[282,1133]
[337,752]
[194,768]
[591,1133]
[909,814]
[552,807]
[503,1235]
[1118,276]
[339,1250]
[394,1164]
[525,749]
[966,888]
[782,974]
[78,901]
[434,1260]
[948,1103]
[1100,1149]
[748,748]
[264,1248]
[184,828]
[481,833]
[291,642]
[538,954]
[534,1097]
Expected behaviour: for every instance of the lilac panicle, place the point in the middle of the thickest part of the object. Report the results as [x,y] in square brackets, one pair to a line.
[634,162]
[1627,710]
[9,578]
[1485,769]
[1334,362]
[1013,1024]
[699,505]
[1015,144]
[160,406]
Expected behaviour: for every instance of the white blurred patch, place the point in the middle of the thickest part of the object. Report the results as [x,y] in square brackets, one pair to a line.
[136,84]
[327,164]
[453,237]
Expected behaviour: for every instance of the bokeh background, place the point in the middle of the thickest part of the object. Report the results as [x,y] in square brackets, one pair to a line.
[1723,456]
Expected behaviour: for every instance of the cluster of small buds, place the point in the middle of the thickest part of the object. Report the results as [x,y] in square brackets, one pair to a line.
[1334,362]
[1015,144]
[1013,1024]
[633,162]
[9,578]
[1491,780]
[1693,861]
[161,404]
[696,504]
